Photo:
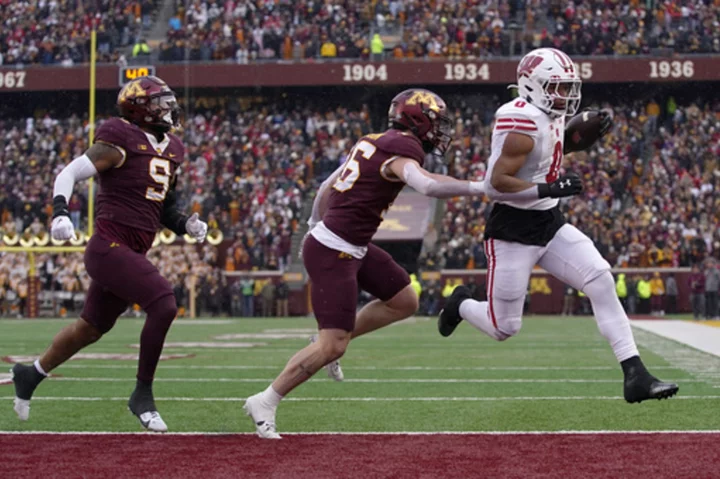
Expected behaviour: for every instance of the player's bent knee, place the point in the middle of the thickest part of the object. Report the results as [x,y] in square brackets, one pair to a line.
[87,331]
[163,310]
[334,349]
[333,343]
[406,302]
[508,327]
[601,286]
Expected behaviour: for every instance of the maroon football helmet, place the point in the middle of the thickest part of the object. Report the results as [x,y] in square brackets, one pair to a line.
[149,103]
[424,114]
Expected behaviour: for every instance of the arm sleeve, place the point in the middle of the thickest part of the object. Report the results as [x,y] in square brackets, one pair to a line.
[171,218]
[81,168]
[532,193]
[430,186]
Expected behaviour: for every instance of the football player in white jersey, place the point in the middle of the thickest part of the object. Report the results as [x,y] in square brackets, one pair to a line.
[526,226]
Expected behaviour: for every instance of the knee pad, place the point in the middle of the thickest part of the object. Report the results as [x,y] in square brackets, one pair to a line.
[600,286]
[163,310]
[508,327]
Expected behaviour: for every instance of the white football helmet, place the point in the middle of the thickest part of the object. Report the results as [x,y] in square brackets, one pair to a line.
[547,78]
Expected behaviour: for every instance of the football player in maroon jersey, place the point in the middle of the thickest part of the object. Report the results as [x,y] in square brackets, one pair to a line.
[136,158]
[338,254]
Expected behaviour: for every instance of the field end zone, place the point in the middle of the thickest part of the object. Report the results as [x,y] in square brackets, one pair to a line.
[598,454]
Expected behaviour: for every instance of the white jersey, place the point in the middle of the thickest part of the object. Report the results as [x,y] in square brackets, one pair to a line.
[544,161]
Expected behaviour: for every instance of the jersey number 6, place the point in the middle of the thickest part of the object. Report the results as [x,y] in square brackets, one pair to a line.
[351,172]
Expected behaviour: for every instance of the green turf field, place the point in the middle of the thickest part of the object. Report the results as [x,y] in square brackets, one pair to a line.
[558,374]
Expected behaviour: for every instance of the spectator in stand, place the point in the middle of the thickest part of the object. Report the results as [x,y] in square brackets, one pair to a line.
[696,281]
[59,32]
[282,294]
[248,287]
[268,298]
[657,288]
[671,291]
[568,301]
[712,284]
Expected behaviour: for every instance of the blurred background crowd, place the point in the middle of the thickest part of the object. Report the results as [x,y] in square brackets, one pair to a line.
[252,171]
[253,163]
[243,30]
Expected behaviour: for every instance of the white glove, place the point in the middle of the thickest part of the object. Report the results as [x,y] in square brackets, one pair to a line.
[196,228]
[62,229]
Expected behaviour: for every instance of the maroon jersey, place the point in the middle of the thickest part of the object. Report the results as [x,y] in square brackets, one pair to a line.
[364,190]
[130,198]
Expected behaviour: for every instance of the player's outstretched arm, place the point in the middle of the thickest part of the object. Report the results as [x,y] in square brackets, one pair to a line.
[97,158]
[430,184]
[504,185]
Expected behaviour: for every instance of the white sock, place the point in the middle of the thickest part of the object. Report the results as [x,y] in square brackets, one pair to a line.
[610,316]
[476,313]
[39,368]
[270,397]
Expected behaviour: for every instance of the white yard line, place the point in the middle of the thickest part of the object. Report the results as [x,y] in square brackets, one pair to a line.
[345,433]
[365,399]
[366,380]
[366,368]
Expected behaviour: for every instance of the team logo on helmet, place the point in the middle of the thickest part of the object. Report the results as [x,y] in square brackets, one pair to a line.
[423,113]
[149,102]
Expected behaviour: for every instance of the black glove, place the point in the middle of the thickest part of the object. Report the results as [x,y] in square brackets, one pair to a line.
[606,122]
[567,185]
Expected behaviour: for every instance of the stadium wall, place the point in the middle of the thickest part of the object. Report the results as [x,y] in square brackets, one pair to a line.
[636,69]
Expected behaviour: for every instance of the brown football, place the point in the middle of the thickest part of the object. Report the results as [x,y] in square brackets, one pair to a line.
[582,130]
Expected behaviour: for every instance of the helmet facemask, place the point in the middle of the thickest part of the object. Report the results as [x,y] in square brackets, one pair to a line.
[562,96]
[440,136]
[164,111]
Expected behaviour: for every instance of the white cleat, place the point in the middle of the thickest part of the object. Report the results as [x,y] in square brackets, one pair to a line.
[263,418]
[22,408]
[152,421]
[334,371]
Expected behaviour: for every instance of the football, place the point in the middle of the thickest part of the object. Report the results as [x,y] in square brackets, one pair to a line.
[583,130]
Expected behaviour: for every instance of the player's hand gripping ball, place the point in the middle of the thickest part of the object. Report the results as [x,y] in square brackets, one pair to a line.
[583,130]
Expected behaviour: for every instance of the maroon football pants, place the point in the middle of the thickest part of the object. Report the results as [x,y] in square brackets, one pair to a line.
[122,277]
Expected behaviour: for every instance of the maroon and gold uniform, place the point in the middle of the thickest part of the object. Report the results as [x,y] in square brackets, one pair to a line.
[359,196]
[364,190]
[129,210]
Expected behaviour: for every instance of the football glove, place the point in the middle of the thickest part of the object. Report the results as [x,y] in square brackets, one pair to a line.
[569,184]
[196,228]
[62,229]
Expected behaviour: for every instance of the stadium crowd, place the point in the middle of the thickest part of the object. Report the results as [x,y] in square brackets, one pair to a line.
[243,30]
[249,30]
[649,197]
[50,32]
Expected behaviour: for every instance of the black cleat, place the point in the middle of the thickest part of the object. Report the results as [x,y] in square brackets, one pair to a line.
[450,314]
[142,405]
[25,379]
[643,385]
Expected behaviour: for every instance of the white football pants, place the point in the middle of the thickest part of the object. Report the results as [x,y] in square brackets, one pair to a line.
[572,258]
